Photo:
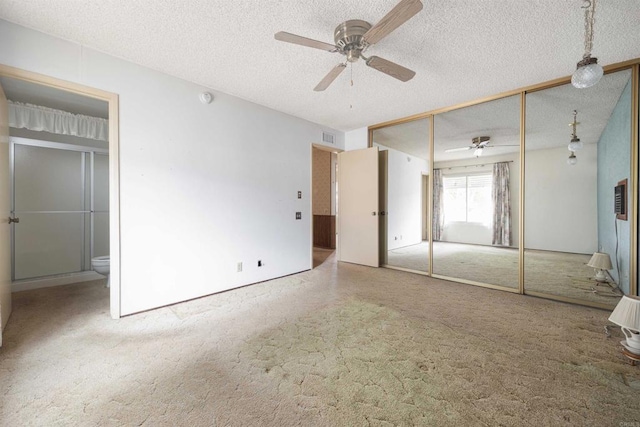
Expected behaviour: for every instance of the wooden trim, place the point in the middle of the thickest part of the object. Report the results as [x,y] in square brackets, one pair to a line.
[114,164]
[523,127]
[633,226]
[430,197]
[327,148]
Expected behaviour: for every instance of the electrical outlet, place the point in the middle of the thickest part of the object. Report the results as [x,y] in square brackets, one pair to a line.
[240,267]
[299,194]
[395,238]
[298,215]
[259,263]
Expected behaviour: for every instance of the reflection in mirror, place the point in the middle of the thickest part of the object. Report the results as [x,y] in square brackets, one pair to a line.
[569,197]
[476,182]
[404,168]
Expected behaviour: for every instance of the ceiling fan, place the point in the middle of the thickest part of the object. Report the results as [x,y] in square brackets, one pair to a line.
[479,143]
[353,37]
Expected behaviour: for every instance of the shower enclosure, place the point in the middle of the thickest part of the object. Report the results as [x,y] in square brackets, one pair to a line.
[60,200]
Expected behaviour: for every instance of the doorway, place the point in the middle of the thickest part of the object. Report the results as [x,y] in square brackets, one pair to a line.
[60,194]
[40,86]
[324,203]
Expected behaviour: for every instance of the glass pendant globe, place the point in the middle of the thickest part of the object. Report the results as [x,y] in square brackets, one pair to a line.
[587,75]
[572,160]
[575,145]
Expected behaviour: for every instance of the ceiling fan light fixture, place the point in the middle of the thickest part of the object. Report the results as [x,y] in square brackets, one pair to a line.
[588,71]
[353,37]
[478,152]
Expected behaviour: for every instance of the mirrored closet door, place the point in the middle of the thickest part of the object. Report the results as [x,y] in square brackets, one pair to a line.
[404,185]
[476,181]
[577,161]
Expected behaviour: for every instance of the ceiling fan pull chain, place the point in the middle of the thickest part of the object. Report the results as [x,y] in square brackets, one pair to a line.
[351,91]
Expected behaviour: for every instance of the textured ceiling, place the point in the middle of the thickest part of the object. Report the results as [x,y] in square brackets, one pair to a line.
[461,50]
[549,113]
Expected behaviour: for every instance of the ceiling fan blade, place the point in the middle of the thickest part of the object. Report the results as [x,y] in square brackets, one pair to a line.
[391,68]
[329,78]
[292,38]
[392,20]
[452,150]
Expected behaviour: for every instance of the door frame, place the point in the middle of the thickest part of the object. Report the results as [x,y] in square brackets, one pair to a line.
[333,150]
[114,165]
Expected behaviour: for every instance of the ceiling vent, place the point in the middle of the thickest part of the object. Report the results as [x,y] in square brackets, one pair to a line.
[328,138]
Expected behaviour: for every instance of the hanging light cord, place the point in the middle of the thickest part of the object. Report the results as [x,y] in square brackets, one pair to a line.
[589,21]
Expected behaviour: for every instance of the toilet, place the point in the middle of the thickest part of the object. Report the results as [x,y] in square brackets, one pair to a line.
[100,264]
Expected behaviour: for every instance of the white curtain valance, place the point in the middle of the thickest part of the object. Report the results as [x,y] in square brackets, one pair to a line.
[35,117]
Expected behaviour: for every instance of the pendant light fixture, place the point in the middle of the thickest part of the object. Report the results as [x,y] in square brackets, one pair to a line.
[588,72]
[575,143]
[572,160]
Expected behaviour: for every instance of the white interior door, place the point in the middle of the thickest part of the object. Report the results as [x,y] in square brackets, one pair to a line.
[358,214]
[5,206]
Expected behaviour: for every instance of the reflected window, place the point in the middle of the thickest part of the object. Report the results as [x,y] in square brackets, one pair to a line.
[467,198]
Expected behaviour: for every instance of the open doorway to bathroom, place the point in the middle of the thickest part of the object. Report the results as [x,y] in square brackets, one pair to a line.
[59,165]
[324,202]
[61,143]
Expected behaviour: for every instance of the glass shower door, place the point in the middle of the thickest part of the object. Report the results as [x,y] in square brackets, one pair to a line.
[49,197]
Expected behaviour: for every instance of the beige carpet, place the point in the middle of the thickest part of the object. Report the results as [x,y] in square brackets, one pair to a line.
[341,345]
[553,273]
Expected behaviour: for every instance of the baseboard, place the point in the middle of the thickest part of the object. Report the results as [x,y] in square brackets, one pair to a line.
[46,282]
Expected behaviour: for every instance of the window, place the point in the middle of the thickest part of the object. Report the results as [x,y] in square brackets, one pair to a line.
[467,199]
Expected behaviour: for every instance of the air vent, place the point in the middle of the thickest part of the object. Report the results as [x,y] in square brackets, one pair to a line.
[328,138]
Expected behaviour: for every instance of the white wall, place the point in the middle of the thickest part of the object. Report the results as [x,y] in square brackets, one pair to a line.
[561,211]
[476,233]
[356,139]
[202,187]
[404,198]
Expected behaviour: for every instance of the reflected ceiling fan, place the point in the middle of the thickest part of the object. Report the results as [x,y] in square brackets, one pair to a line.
[353,37]
[479,143]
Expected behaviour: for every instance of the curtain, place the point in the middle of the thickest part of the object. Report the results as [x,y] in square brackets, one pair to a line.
[501,205]
[438,208]
[35,117]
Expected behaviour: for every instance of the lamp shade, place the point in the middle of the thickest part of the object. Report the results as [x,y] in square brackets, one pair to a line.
[627,313]
[601,261]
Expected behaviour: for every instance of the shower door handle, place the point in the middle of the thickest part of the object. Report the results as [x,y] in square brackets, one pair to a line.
[16,220]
